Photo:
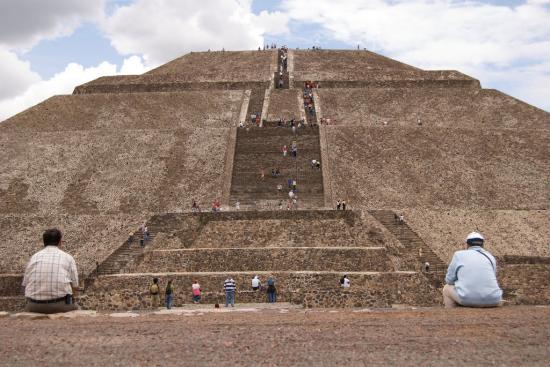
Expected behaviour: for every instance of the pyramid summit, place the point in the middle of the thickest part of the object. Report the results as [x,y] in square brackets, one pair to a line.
[391,139]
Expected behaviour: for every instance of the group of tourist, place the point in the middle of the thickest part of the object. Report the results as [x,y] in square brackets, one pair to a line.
[292,123]
[51,279]
[271,46]
[308,97]
[340,205]
[229,287]
[282,67]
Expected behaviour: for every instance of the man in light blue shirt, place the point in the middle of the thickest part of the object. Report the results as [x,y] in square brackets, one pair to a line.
[471,277]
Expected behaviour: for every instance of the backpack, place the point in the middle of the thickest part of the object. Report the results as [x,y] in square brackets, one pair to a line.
[169,289]
[154,289]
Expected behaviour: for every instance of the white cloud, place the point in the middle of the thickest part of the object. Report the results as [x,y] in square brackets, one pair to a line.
[439,34]
[161,30]
[15,75]
[65,82]
[25,22]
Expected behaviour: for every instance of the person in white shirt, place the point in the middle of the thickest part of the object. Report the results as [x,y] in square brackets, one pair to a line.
[51,277]
[472,277]
[256,283]
[344,282]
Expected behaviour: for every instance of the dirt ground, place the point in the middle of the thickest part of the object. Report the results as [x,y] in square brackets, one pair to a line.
[509,336]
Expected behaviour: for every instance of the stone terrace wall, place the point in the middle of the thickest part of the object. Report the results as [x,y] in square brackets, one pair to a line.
[223,66]
[274,233]
[397,167]
[283,103]
[139,111]
[159,83]
[337,69]
[525,284]
[266,259]
[507,232]
[342,62]
[125,157]
[131,289]
[435,107]
[328,228]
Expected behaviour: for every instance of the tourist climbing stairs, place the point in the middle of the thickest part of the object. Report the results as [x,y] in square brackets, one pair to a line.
[414,246]
[255,105]
[124,256]
[261,149]
[282,71]
[309,103]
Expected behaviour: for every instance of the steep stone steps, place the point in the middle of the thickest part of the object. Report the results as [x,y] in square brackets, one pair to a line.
[305,202]
[414,245]
[256,103]
[270,189]
[278,131]
[266,259]
[259,149]
[123,257]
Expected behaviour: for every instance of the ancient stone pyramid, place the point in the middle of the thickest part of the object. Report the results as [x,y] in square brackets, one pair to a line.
[391,138]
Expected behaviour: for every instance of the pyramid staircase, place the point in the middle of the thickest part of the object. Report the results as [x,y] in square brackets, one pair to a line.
[260,148]
[285,75]
[124,256]
[417,252]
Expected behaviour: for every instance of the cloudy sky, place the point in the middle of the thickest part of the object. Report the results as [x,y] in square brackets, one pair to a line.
[48,47]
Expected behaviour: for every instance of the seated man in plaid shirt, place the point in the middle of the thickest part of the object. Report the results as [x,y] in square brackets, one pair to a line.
[51,277]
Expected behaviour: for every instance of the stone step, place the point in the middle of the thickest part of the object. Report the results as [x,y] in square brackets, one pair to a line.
[266,259]
[283,131]
[272,191]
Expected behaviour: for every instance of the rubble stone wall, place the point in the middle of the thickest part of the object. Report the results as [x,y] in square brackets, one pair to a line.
[435,106]
[265,259]
[131,291]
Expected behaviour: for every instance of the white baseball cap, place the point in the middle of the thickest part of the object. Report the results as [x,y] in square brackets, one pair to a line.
[475,236]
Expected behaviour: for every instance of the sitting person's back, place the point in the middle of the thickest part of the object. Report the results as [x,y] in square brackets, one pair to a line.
[471,277]
[50,278]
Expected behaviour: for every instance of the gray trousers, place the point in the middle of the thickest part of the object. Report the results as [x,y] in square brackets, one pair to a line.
[56,307]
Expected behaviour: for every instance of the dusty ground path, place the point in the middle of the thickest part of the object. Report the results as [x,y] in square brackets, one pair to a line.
[510,336]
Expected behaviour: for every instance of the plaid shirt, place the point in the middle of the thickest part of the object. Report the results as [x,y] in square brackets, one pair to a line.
[49,274]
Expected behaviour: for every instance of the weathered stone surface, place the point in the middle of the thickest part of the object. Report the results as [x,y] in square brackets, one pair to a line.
[266,259]
[73,314]
[4,314]
[122,292]
[125,158]
[339,69]
[459,108]
[124,314]
[416,167]
[283,103]
[29,315]
[222,66]
[507,232]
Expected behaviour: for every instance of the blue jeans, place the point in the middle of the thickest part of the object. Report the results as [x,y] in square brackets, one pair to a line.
[272,297]
[169,300]
[230,298]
